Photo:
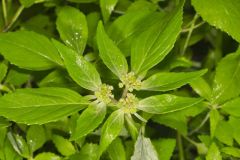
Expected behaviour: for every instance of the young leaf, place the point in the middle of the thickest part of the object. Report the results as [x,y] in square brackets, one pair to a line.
[131,126]
[214,119]
[47,156]
[213,153]
[72,26]
[42,105]
[29,50]
[87,152]
[110,54]
[144,149]
[3,70]
[89,120]
[235,121]
[63,146]
[224,133]
[19,144]
[116,150]
[107,6]
[81,71]
[170,80]
[36,137]
[226,82]
[222,15]
[232,107]
[235,152]
[165,148]
[166,103]
[111,128]
[150,47]
[202,88]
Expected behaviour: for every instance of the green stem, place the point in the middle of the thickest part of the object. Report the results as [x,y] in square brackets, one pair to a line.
[196,26]
[180,146]
[190,140]
[14,19]
[201,124]
[4,8]
[189,34]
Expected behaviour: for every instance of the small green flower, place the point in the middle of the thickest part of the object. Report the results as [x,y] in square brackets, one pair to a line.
[104,94]
[130,81]
[129,104]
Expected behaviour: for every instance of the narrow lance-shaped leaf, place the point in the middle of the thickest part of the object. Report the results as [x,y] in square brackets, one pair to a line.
[89,120]
[72,26]
[170,80]
[81,71]
[202,88]
[107,6]
[223,15]
[166,103]
[227,79]
[42,105]
[150,47]
[214,119]
[144,149]
[110,54]
[29,50]
[3,70]
[116,150]
[64,146]
[111,128]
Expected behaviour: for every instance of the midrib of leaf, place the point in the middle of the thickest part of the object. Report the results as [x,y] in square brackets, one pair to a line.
[38,53]
[230,82]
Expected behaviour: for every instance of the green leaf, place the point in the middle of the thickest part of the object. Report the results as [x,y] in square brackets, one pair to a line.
[144,149]
[151,46]
[63,146]
[19,144]
[128,26]
[89,120]
[142,5]
[234,122]
[170,80]
[88,152]
[42,105]
[81,71]
[36,137]
[166,103]
[3,70]
[201,87]
[224,133]
[111,128]
[92,22]
[223,15]
[235,152]
[131,126]
[72,26]
[213,153]
[214,119]
[116,150]
[165,148]
[226,82]
[82,1]
[107,6]
[29,50]
[47,156]
[110,54]
[179,120]
[232,107]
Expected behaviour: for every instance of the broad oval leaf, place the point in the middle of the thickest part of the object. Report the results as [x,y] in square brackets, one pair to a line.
[110,53]
[169,80]
[36,137]
[72,26]
[29,50]
[166,103]
[111,128]
[81,71]
[144,149]
[232,107]
[227,79]
[151,46]
[41,105]
[89,120]
[107,6]
[223,15]
[64,146]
